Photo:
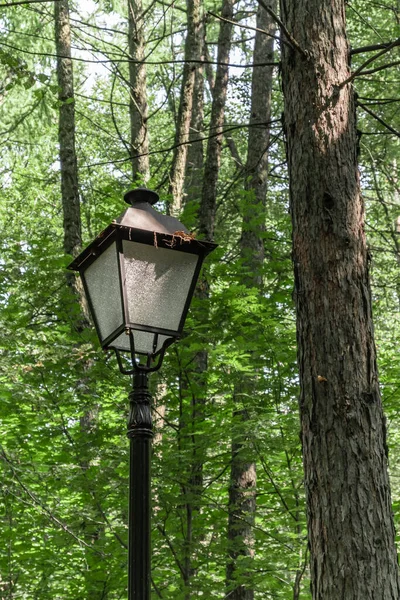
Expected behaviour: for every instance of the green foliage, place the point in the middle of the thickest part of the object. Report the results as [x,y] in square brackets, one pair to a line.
[64,455]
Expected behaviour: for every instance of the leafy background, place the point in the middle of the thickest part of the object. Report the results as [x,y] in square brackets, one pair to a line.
[63,502]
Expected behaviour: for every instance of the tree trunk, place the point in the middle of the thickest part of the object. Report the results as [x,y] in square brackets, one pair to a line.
[193,46]
[252,244]
[195,155]
[214,146]
[195,377]
[72,245]
[192,380]
[350,525]
[230,142]
[68,161]
[242,488]
[137,93]
[66,131]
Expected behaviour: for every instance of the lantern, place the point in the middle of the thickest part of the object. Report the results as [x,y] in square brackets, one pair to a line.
[139,275]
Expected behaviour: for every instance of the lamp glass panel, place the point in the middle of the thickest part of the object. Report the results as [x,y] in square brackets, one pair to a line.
[157,282]
[143,342]
[102,280]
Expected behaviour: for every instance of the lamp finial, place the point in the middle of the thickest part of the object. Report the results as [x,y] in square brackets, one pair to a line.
[141,194]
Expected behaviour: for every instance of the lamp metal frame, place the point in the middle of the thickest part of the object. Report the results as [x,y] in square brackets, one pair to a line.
[119,233]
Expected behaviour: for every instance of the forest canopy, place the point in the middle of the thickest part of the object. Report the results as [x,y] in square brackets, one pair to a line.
[189,99]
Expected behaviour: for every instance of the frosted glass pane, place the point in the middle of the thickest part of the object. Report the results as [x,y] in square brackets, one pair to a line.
[143,342]
[157,283]
[102,280]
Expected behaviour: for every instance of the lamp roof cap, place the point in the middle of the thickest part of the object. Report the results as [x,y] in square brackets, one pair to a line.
[141,194]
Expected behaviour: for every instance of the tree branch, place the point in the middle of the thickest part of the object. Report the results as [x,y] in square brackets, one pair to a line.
[171,547]
[115,61]
[378,118]
[268,472]
[125,144]
[288,35]
[379,100]
[157,591]
[45,510]
[369,61]
[212,135]
[24,2]
[373,47]
[381,68]
[276,37]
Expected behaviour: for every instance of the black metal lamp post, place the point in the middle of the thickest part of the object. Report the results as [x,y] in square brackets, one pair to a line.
[139,275]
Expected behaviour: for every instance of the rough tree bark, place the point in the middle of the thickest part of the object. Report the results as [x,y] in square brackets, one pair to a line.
[193,47]
[242,487]
[350,525]
[68,160]
[137,93]
[66,131]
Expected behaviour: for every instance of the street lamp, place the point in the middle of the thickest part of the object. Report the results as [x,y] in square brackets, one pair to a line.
[139,276]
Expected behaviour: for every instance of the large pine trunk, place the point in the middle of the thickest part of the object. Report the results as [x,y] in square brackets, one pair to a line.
[350,525]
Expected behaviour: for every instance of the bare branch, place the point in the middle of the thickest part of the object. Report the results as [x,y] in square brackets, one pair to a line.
[373,47]
[212,135]
[122,139]
[368,23]
[276,37]
[113,102]
[115,61]
[381,68]
[368,62]
[379,100]
[24,2]
[378,118]
[288,35]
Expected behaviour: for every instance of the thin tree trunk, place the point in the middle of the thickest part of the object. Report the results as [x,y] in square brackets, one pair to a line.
[193,51]
[252,244]
[72,245]
[192,381]
[242,488]
[206,218]
[214,146]
[137,93]
[68,160]
[195,155]
[230,142]
[195,379]
[350,523]
[66,131]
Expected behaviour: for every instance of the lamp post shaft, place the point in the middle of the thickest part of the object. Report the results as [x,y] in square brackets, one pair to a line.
[140,432]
